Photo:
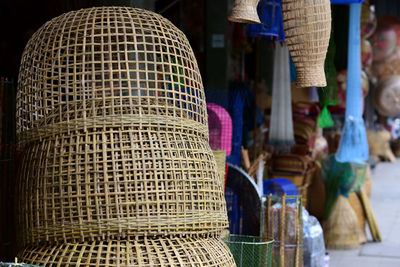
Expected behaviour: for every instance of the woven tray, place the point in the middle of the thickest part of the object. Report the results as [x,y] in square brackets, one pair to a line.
[150,252]
[106,64]
[115,182]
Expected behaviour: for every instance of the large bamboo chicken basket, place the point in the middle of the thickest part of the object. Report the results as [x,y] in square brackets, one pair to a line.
[107,65]
[144,253]
[112,116]
[307,25]
[120,181]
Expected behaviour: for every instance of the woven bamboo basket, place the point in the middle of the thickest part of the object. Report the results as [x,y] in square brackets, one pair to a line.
[117,138]
[307,25]
[148,252]
[105,65]
[245,11]
[282,220]
[120,181]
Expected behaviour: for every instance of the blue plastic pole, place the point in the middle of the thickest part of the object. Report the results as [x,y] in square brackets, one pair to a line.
[353,145]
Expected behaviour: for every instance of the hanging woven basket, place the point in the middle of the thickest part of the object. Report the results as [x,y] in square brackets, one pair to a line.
[245,11]
[144,253]
[307,25]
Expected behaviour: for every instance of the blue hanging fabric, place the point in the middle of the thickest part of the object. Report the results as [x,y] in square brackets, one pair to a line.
[270,13]
[353,146]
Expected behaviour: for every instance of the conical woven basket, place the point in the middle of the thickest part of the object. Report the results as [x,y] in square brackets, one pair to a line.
[245,11]
[145,253]
[106,65]
[120,181]
[307,25]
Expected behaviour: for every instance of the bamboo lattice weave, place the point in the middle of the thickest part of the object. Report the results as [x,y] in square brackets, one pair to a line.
[307,25]
[116,182]
[158,252]
[105,62]
[116,168]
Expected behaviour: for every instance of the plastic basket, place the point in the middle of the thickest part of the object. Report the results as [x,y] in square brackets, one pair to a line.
[250,251]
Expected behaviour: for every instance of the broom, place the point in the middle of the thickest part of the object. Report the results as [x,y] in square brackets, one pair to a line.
[373,226]
[341,230]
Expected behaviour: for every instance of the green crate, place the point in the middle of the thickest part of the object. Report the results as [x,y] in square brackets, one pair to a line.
[250,251]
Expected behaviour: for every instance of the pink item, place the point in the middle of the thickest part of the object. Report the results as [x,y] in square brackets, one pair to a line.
[384,43]
[220,128]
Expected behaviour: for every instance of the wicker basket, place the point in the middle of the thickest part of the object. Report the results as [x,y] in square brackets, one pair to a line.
[148,252]
[116,141]
[307,26]
[107,65]
[120,181]
[245,11]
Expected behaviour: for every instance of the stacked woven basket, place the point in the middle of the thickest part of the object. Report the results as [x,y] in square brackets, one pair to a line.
[117,170]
